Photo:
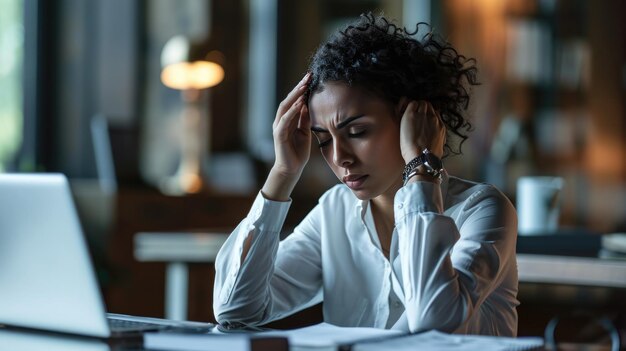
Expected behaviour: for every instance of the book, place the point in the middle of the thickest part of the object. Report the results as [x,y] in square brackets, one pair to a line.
[213,342]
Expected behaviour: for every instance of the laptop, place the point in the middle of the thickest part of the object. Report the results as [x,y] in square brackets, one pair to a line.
[47,281]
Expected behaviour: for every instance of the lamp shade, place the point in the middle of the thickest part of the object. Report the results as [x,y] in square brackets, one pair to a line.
[187,65]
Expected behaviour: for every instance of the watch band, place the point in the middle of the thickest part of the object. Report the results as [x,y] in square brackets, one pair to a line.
[425,158]
[417,172]
[412,165]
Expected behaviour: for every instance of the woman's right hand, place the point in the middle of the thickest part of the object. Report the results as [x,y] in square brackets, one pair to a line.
[292,143]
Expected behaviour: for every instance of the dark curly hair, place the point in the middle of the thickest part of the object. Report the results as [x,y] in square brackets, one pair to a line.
[377,55]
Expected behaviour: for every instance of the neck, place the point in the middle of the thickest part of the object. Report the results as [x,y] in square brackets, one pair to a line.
[384,202]
[383,206]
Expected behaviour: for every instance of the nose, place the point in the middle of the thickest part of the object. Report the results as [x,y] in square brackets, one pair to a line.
[342,156]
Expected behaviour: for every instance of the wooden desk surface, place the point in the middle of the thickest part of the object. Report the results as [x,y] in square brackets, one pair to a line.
[582,271]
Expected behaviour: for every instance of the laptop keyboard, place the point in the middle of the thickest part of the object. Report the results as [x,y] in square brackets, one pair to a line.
[121,325]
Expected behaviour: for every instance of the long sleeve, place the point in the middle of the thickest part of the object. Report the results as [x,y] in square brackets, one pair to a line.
[276,278]
[452,262]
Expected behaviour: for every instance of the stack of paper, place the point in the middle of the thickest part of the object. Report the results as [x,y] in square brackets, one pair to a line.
[438,341]
[327,337]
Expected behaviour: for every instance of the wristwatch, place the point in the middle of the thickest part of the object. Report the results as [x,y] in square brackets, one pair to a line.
[432,165]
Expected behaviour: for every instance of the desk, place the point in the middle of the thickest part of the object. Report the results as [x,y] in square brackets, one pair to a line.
[309,339]
[137,288]
[177,249]
[21,340]
[579,271]
[561,285]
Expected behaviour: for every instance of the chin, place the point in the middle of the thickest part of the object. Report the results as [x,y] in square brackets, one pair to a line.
[363,194]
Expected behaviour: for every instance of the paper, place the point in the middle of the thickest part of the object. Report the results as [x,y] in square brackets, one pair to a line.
[320,336]
[438,341]
[328,335]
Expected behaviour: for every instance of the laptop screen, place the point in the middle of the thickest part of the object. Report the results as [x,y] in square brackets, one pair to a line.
[46,275]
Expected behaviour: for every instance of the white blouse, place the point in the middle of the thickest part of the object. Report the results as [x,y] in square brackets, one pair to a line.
[452,264]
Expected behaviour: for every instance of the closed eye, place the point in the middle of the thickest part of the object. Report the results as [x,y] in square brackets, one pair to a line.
[324,143]
[351,134]
[319,139]
[356,134]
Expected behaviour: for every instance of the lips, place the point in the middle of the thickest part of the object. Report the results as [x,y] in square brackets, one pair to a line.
[354,181]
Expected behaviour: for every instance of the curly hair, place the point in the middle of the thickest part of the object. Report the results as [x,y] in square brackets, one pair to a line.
[377,55]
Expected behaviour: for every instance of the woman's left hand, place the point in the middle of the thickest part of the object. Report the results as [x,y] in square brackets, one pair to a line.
[421,127]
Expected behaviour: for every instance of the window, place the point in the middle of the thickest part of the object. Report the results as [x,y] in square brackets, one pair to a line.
[11,58]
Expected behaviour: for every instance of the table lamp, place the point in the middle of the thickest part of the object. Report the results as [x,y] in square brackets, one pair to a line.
[189,67]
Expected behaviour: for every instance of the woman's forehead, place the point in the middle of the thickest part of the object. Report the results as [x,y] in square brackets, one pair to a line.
[337,99]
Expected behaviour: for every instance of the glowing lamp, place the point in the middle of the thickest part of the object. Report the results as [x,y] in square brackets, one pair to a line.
[186,66]
[192,75]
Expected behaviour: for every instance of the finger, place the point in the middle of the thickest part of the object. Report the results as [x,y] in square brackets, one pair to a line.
[294,120]
[287,119]
[410,109]
[402,105]
[422,107]
[285,105]
[304,122]
[436,115]
[283,108]
[293,95]
[431,110]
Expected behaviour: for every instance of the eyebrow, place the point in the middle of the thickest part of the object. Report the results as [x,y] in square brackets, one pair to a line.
[339,125]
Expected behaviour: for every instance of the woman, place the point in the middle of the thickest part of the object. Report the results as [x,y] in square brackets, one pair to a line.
[400,244]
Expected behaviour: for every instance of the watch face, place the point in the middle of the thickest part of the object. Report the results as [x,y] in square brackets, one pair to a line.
[433,161]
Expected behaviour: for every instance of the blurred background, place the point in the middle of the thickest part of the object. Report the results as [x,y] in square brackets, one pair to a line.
[160,111]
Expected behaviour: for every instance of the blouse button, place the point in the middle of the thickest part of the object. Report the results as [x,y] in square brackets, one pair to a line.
[400,205]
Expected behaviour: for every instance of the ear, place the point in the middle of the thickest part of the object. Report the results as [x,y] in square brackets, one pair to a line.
[401,106]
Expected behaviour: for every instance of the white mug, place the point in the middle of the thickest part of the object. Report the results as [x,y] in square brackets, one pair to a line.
[538,204]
